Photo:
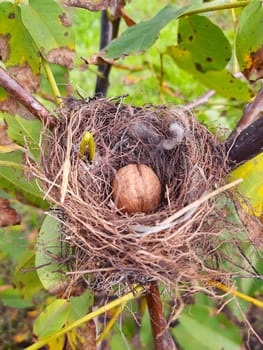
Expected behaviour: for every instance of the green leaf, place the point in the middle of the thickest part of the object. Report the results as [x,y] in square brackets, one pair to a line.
[249,41]
[79,306]
[50,28]
[28,281]
[143,35]
[221,81]
[14,181]
[145,332]
[201,328]
[205,41]
[48,252]
[52,319]
[11,297]
[21,130]
[17,46]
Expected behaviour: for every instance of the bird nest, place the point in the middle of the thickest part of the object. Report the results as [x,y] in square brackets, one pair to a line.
[180,240]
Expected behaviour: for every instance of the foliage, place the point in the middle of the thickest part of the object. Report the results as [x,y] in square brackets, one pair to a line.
[183,50]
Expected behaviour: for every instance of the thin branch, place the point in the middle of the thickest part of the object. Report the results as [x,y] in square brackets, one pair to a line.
[199,101]
[26,99]
[161,336]
[251,113]
[109,31]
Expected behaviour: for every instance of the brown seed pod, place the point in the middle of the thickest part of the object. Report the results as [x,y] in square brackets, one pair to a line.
[136,189]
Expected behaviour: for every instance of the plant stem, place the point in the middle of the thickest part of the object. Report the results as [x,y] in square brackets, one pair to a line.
[215,8]
[138,290]
[161,336]
[110,323]
[242,296]
[51,80]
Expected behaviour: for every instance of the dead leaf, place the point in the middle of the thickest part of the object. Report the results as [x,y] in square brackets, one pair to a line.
[12,106]
[62,56]
[8,215]
[100,60]
[254,63]
[24,75]
[128,20]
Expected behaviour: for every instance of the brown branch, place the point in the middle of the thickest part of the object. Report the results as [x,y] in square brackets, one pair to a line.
[161,336]
[246,145]
[109,31]
[251,113]
[26,99]
[199,101]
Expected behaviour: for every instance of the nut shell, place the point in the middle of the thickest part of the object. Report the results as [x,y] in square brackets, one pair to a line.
[136,189]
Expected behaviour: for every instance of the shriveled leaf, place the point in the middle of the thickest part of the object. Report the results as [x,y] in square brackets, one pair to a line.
[222,81]
[249,41]
[14,181]
[49,253]
[205,42]
[50,29]
[26,278]
[143,35]
[201,328]
[52,319]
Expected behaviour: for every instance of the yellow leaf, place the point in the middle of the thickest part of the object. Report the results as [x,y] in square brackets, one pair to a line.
[250,191]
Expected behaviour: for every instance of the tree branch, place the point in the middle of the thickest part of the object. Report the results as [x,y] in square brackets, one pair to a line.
[161,336]
[109,31]
[251,113]
[26,99]
[246,145]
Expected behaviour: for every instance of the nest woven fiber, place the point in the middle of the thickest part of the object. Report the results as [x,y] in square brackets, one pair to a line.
[110,246]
